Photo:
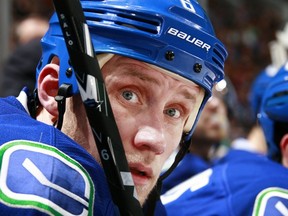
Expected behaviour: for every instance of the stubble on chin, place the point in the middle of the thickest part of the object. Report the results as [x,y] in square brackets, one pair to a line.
[142,190]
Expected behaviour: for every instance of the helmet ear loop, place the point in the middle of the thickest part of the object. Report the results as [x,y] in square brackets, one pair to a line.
[33,103]
[63,92]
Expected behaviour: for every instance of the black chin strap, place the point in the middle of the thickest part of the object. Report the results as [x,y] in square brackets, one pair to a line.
[63,92]
[33,103]
[154,196]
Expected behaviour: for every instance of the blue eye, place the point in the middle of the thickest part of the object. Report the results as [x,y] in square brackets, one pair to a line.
[172,112]
[128,95]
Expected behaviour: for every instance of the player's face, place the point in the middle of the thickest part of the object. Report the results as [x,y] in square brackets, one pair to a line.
[213,123]
[150,109]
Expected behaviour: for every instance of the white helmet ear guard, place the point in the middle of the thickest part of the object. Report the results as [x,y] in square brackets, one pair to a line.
[196,112]
[104,58]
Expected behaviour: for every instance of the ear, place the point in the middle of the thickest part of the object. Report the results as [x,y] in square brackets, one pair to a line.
[284,142]
[48,87]
[284,149]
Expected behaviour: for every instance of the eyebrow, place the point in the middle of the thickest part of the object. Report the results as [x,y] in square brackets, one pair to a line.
[141,76]
[187,94]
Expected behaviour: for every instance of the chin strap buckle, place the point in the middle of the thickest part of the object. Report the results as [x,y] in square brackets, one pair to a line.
[63,92]
[33,103]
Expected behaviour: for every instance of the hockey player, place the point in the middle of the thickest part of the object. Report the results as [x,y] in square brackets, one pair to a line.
[273,116]
[159,62]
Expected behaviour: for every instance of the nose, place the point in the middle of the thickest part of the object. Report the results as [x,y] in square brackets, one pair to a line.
[150,138]
[213,103]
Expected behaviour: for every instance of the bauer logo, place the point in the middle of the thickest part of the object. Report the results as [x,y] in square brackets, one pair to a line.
[188,5]
[189,38]
[40,177]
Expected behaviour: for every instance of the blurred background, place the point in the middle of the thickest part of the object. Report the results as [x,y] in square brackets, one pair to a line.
[12,12]
[246,27]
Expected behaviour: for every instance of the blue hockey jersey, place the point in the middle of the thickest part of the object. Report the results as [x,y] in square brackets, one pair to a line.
[44,172]
[241,184]
[189,166]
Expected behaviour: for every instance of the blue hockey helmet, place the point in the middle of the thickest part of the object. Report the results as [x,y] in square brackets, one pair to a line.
[258,86]
[175,35]
[273,116]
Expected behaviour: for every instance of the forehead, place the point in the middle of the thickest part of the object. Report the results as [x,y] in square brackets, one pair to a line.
[145,71]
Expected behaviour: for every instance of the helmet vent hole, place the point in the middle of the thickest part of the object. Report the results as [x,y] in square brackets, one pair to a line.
[217,62]
[218,56]
[129,19]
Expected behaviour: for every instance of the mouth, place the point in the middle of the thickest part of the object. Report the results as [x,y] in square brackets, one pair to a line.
[140,174]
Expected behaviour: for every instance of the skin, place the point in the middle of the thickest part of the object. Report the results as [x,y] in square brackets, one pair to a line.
[150,110]
[212,127]
[284,150]
[214,120]
[30,28]
[257,139]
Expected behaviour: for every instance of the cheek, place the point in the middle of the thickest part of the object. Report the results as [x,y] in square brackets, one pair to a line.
[125,123]
[128,122]
[173,138]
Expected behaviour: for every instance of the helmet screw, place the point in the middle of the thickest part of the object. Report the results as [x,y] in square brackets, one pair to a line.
[69,72]
[197,67]
[169,55]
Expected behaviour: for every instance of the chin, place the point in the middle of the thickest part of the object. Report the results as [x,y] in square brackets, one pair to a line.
[142,193]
